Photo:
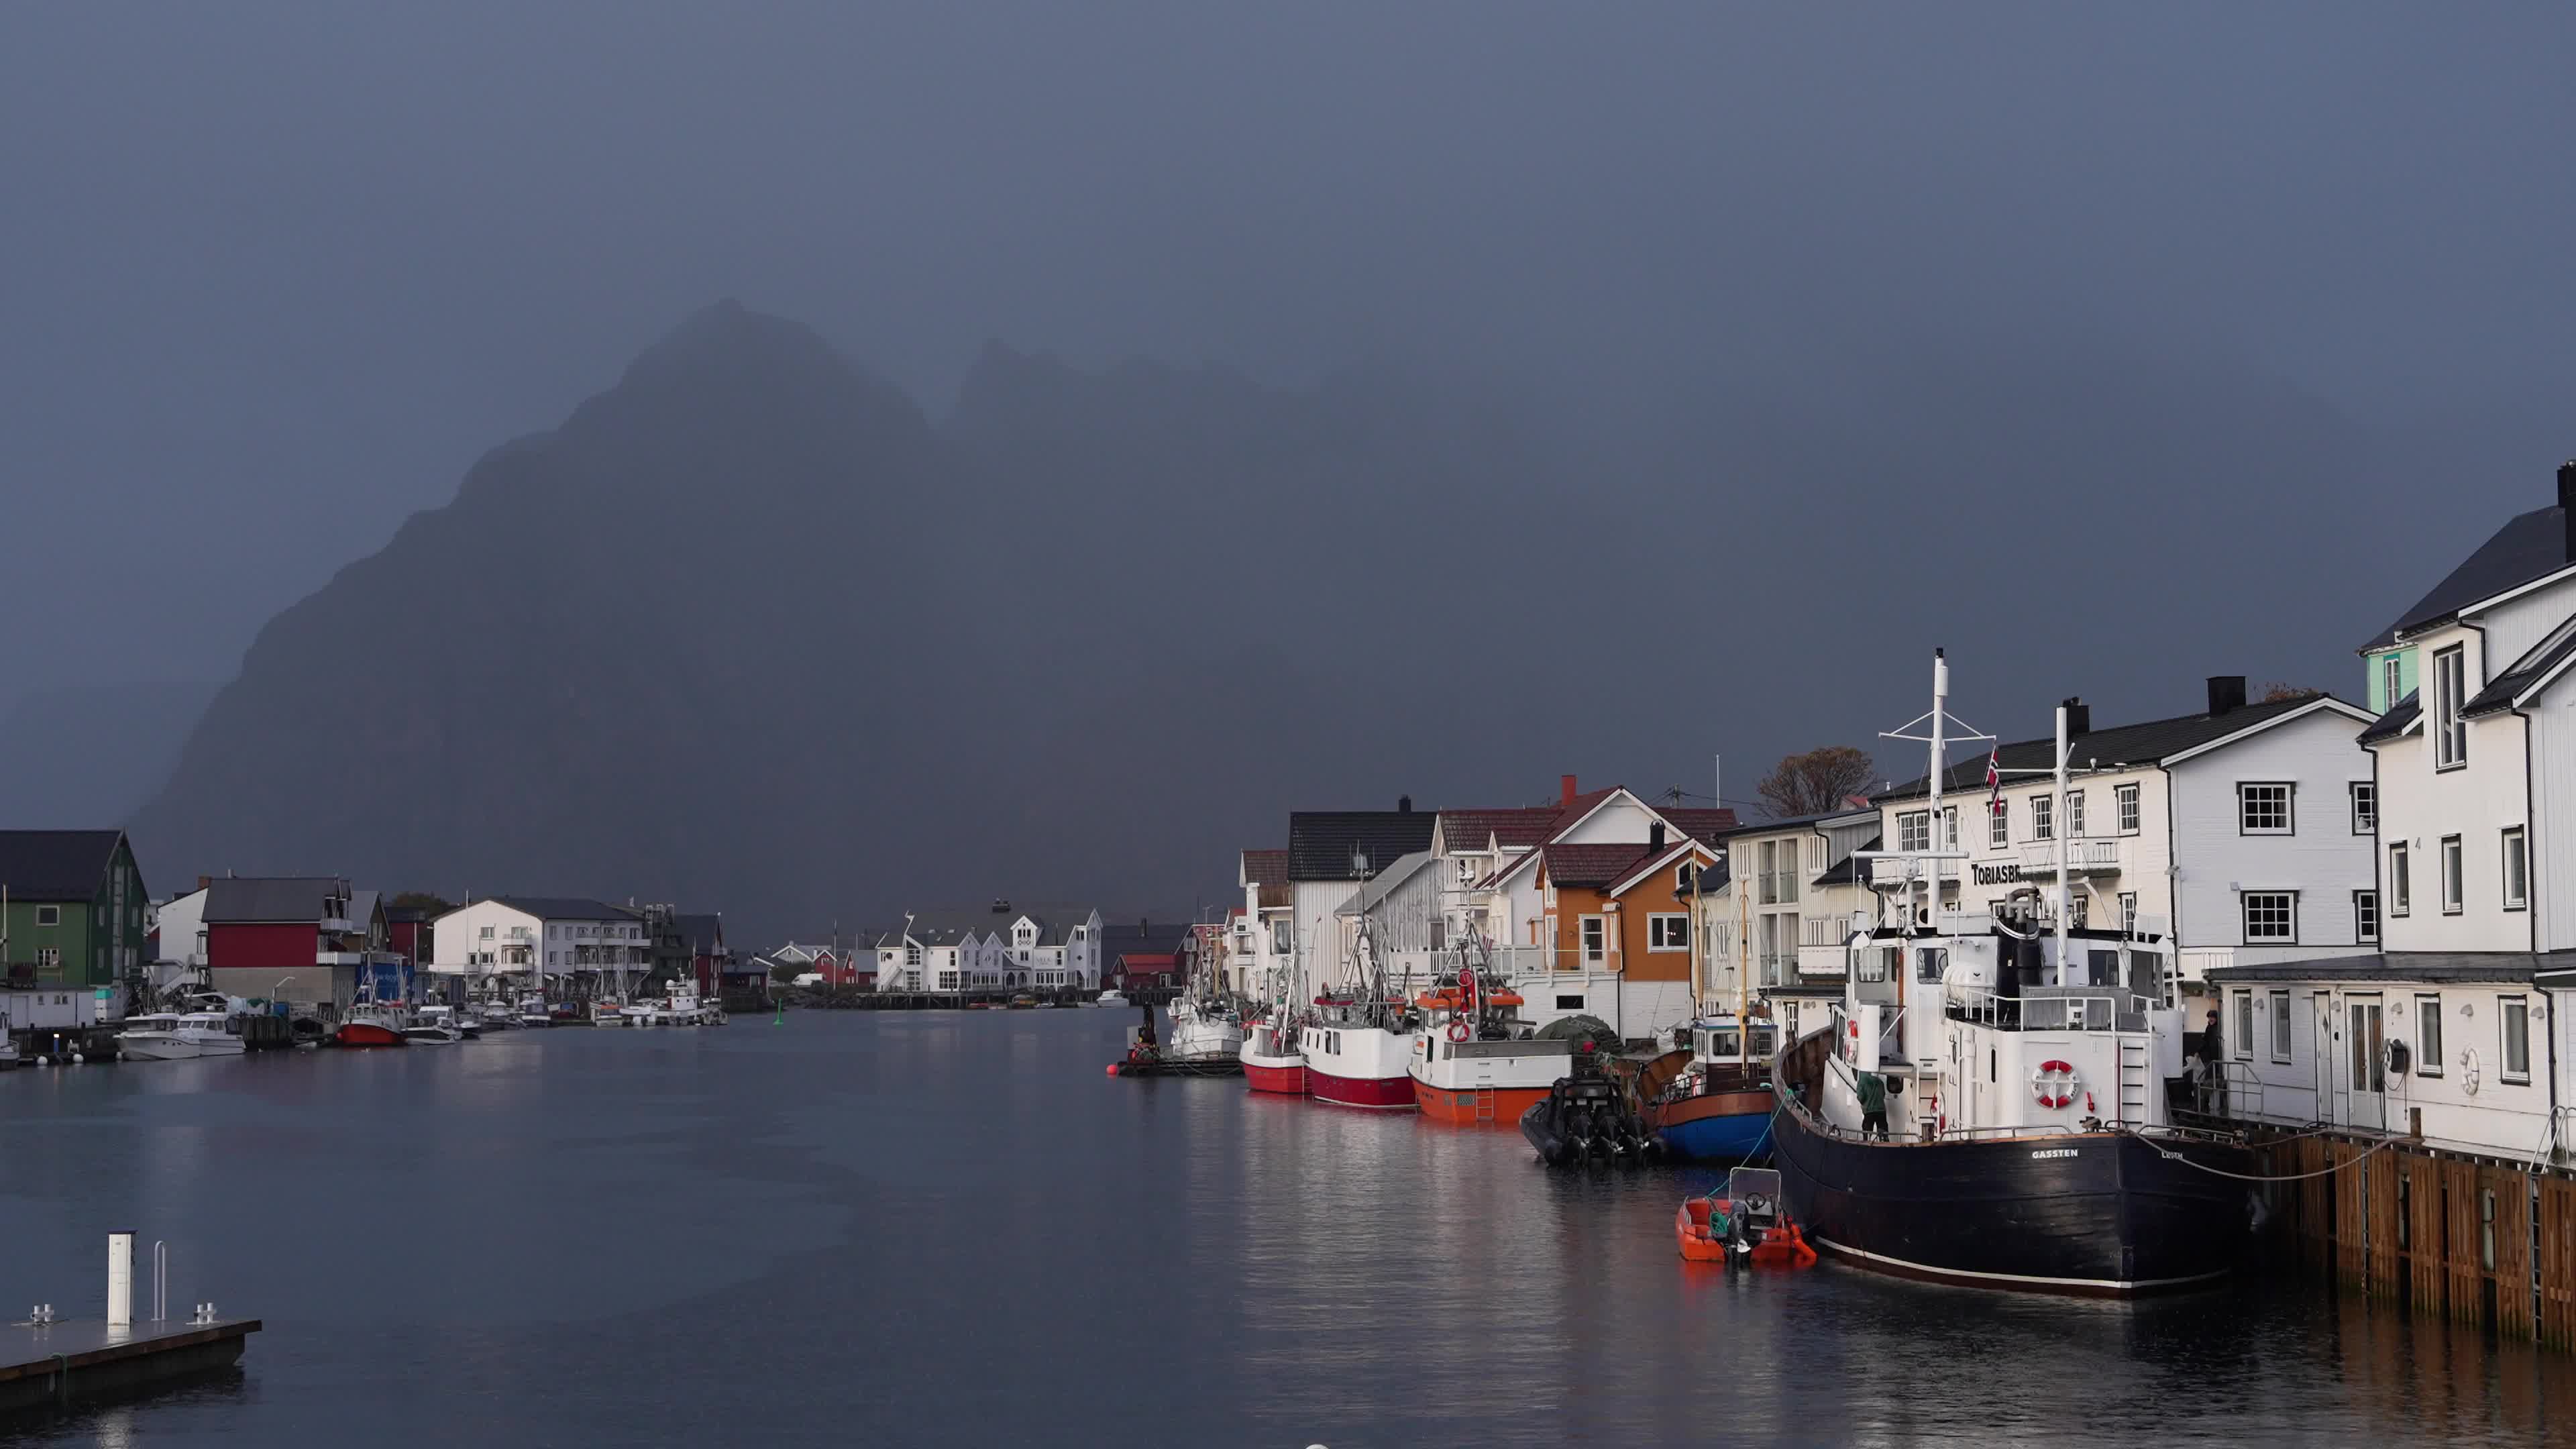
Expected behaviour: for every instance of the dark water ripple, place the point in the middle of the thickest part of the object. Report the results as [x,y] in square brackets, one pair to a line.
[953,1229]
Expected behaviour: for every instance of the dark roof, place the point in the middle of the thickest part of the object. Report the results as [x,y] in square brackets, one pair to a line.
[2509,967]
[2137,744]
[2394,723]
[2525,672]
[2530,546]
[1792,822]
[1846,871]
[701,933]
[56,865]
[1594,865]
[564,908]
[1320,842]
[1711,879]
[271,898]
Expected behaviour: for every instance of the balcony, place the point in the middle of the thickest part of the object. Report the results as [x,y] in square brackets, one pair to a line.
[2083,858]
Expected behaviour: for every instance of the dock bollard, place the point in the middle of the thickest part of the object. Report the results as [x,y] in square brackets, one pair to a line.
[120,1280]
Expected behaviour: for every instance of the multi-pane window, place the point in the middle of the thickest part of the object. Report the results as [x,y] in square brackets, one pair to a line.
[2075,814]
[2428,1036]
[2124,804]
[2365,807]
[2450,696]
[1949,827]
[1668,933]
[2271,916]
[2129,911]
[2244,1043]
[1914,830]
[1998,826]
[2280,1026]
[2517,865]
[2043,817]
[1595,939]
[2451,891]
[2391,673]
[2365,917]
[2397,881]
[2263,809]
[2513,1017]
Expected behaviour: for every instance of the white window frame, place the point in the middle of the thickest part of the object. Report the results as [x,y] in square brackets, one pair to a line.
[2513,1030]
[2043,817]
[2365,807]
[2365,917]
[49,915]
[2245,917]
[2075,815]
[2517,868]
[2401,880]
[2428,1035]
[2128,912]
[2392,675]
[1914,830]
[2454,866]
[2242,1026]
[2450,696]
[2277,1008]
[2247,794]
[1660,931]
[2124,809]
[1592,939]
[1998,827]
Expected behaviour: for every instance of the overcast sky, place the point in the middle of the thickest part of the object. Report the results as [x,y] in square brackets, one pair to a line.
[275,274]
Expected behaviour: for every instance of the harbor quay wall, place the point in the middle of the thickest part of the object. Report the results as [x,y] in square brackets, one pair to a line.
[2439,1233]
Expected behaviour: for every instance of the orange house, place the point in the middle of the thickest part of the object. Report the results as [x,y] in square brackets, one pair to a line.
[1614,907]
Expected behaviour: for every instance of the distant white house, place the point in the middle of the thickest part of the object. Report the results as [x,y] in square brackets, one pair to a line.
[1000,947]
[178,928]
[529,937]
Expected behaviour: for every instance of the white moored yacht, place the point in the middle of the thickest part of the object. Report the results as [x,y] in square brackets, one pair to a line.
[174,1036]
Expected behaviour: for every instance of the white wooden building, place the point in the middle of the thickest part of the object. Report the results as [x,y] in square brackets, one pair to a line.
[529,937]
[2242,831]
[1800,892]
[1001,947]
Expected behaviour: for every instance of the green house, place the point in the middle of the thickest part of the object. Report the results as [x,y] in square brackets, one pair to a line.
[74,914]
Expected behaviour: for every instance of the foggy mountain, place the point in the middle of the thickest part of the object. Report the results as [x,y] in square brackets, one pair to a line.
[86,754]
[752,631]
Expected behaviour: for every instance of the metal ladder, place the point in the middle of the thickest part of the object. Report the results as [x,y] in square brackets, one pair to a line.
[2137,1073]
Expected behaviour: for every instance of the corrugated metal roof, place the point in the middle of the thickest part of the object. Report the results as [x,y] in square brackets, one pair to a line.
[2506,967]
[1322,843]
[2137,744]
[2530,546]
[278,898]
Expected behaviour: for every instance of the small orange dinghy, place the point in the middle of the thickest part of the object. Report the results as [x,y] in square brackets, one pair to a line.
[1745,1221]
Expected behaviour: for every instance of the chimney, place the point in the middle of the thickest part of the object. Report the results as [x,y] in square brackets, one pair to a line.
[1403,804]
[2226,692]
[2079,717]
[1001,907]
[204,881]
[2567,505]
[1655,838]
[1565,789]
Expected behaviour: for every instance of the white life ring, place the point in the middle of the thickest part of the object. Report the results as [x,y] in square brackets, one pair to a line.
[2055,1083]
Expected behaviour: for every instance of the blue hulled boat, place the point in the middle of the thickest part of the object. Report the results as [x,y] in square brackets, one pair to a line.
[1718,1107]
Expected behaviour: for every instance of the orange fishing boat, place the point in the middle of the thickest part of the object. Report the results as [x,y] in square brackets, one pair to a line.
[1479,1062]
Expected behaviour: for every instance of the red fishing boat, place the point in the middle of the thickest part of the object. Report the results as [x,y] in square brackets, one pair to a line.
[372,1026]
[1272,1061]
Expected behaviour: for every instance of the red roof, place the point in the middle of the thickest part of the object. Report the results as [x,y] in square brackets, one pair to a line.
[1518,827]
[1592,865]
[1265,867]
[1699,823]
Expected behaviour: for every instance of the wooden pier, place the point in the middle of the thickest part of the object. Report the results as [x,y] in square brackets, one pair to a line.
[2442,1234]
[55,1365]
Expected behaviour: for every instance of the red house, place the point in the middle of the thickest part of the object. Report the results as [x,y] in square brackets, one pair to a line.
[1134,970]
[304,939]
[703,937]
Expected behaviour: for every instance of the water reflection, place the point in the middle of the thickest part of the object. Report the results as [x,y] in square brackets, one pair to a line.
[952,1228]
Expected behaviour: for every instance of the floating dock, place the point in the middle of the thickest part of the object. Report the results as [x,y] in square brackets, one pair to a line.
[1202,1067]
[56,1365]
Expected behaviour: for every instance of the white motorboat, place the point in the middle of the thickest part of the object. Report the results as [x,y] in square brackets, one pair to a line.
[1111,997]
[494,1015]
[434,1026]
[681,1007]
[605,1012]
[533,1012]
[177,1037]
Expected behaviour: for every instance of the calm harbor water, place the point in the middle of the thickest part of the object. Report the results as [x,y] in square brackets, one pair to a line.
[952,1228]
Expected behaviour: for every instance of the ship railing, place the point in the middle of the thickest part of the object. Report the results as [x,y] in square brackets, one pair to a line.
[2047,1008]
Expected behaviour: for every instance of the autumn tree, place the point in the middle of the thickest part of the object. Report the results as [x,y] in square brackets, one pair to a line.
[2281,691]
[1816,782]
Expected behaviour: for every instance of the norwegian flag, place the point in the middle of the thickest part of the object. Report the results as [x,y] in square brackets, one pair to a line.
[1994,782]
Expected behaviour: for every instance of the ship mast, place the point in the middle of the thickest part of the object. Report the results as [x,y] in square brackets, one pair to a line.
[2058,825]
